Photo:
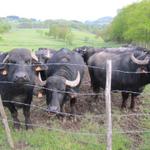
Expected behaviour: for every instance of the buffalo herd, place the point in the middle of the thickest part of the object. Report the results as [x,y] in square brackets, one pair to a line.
[58,75]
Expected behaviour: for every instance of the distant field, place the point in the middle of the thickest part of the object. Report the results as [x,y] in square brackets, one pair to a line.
[33,39]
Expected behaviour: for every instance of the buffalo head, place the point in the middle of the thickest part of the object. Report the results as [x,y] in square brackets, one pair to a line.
[58,91]
[20,66]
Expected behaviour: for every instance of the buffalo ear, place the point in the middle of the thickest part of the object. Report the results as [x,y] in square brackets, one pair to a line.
[142,69]
[71,93]
[40,67]
[38,92]
[3,67]
[4,72]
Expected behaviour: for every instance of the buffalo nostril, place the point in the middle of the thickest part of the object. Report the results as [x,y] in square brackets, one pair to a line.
[21,76]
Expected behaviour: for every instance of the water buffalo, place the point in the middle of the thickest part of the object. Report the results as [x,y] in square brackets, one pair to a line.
[136,62]
[18,74]
[64,79]
[86,52]
[44,54]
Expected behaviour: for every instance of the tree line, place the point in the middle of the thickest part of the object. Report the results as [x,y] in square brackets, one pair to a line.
[131,25]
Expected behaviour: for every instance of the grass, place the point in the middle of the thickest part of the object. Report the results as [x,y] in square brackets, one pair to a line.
[33,39]
[145,121]
[63,136]
[43,139]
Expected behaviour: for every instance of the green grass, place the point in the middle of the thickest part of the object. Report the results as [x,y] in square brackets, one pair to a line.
[43,139]
[145,121]
[33,39]
[87,134]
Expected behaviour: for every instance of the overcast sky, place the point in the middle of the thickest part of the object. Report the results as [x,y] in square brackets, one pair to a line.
[62,9]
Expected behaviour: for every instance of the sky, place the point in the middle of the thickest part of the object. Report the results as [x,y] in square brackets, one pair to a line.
[80,10]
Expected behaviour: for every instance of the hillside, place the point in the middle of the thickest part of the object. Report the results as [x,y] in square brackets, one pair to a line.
[35,38]
[100,22]
[20,22]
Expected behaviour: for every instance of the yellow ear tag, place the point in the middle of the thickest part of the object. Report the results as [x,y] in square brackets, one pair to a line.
[38,68]
[40,95]
[4,72]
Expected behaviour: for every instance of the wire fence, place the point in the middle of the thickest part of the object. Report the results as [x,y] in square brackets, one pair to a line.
[77,65]
[97,120]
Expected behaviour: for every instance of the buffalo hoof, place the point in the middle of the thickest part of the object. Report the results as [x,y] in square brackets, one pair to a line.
[134,110]
[17,126]
[51,115]
[95,96]
[73,118]
[124,109]
[64,120]
[28,125]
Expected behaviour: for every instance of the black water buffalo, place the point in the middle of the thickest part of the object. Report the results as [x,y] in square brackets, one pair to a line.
[44,54]
[18,73]
[86,52]
[136,62]
[64,79]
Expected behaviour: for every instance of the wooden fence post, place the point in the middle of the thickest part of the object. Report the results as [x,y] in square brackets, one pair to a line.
[6,126]
[108,104]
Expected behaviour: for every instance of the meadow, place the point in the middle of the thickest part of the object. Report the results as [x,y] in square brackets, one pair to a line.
[36,38]
[88,133]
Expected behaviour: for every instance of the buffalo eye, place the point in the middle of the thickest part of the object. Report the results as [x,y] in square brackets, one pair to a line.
[28,62]
[12,62]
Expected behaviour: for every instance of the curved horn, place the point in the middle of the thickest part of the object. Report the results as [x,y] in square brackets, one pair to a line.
[34,56]
[40,79]
[5,59]
[48,54]
[75,82]
[139,62]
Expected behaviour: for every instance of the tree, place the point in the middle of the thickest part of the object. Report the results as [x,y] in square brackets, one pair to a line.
[4,26]
[69,38]
[62,32]
[132,24]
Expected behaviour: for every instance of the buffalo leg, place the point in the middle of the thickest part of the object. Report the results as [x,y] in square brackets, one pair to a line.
[96,90]
[14,115]
[133,96]
[62,109]
[94,83]
[73,109]
[72,105]
[124,99]
[26,112]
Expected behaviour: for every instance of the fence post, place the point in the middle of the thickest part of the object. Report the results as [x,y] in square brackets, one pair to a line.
[108,104]
[6,126]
